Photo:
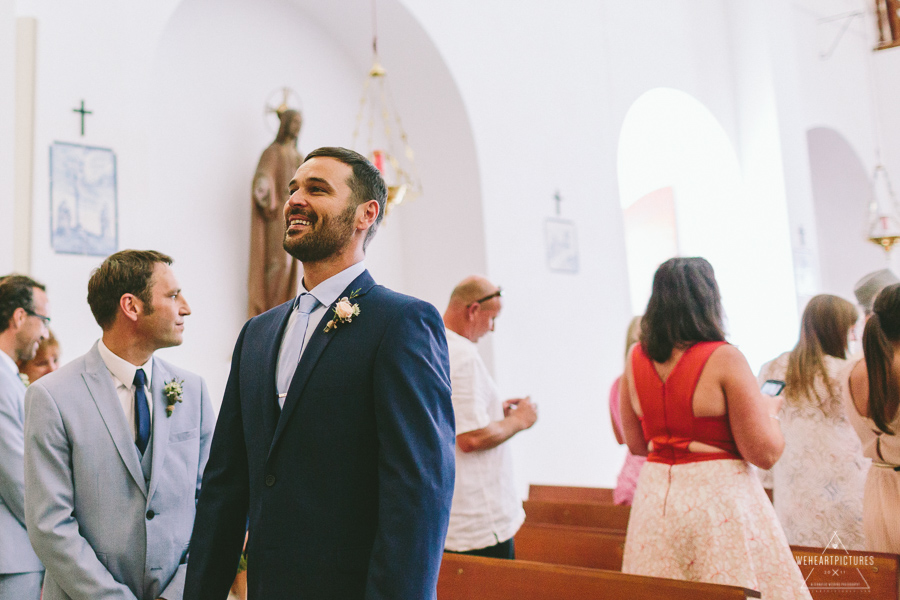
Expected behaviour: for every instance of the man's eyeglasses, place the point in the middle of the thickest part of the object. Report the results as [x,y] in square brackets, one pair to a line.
[496,294]
[43,318]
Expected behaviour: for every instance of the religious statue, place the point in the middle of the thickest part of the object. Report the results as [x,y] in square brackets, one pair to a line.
[273,272]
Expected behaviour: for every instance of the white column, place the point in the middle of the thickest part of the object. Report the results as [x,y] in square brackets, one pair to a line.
[23,165]
[7,119]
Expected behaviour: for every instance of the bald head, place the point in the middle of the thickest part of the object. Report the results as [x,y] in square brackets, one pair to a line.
[474,304]
[471,289]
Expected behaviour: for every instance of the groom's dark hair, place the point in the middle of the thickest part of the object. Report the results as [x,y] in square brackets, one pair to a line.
[125,272]
[366,183]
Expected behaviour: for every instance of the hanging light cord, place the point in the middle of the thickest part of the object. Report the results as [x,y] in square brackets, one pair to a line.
[374,28]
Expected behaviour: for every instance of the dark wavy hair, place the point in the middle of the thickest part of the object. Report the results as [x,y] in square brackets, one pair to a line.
[125,272]
[882,330]
[365,184]
[685,307]
[16,291]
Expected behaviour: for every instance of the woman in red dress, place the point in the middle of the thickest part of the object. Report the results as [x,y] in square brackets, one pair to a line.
[691,404]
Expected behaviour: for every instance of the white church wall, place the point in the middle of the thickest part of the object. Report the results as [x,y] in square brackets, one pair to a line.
[206,135]
[505,103]
[181,104]
[533,77]
[771,179]
[573,83]
[7,120]
[841,183]
[690,47]
[836,76]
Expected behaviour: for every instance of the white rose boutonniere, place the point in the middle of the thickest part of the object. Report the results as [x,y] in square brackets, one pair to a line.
[174,393]
[344,311]
[24,379]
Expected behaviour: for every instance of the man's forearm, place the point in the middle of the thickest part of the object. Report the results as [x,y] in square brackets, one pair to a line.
[491,436]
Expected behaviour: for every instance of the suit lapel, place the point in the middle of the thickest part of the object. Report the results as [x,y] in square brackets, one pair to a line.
[274,331]
[160,438]
[100,385]
[311,354]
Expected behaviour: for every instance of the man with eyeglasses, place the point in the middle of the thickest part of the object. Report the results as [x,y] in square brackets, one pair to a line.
[486,511]
[25,315]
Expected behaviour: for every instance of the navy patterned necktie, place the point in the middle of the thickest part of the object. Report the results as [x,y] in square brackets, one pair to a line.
[141,411]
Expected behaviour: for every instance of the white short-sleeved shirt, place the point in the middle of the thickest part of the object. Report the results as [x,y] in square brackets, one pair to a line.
[486,509]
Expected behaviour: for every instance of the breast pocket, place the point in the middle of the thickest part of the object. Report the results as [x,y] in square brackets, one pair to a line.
[183,436]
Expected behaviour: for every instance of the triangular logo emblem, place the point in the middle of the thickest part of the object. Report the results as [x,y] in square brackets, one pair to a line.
[835,569]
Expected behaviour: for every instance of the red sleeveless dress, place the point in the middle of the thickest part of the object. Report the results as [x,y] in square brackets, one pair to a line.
[701,516]
[669,420]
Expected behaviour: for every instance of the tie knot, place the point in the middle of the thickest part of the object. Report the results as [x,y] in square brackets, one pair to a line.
[307,303]
[140,378]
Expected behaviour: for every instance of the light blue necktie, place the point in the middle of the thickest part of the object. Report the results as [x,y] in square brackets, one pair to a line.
[292,345]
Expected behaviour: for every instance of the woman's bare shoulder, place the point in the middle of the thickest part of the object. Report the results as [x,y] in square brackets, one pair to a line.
[858,386]
[726,356]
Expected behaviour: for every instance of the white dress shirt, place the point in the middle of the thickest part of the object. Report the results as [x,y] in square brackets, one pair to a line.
[122,373]
[10,363]
[326,293]
[486,508]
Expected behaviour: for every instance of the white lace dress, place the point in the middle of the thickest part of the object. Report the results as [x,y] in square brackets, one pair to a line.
[820,478]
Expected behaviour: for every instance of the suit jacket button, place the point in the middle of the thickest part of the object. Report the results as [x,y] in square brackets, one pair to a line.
[150,515]
[270,480]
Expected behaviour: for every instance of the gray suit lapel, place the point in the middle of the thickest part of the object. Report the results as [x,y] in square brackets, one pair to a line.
[100,385]
[160,437]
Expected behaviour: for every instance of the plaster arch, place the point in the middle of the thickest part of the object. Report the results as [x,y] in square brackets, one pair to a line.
[842,191]
[673,150]
[214,64]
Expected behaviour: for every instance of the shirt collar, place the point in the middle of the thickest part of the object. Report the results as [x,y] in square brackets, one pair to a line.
[329,290]
[121,369]
[459,338]
[6,358]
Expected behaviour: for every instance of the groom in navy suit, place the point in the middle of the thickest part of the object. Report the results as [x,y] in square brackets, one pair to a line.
[336,434]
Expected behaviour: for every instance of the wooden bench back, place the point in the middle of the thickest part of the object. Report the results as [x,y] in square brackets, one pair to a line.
[573,546]
[846,574]
[873,573]
[476,578]
[562,493]
[603,516]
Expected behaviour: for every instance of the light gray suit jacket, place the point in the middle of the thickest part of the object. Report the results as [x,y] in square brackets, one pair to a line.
[16,555]
[102,530]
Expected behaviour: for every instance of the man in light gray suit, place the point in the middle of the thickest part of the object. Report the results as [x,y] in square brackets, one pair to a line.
[115,445]
[24,315]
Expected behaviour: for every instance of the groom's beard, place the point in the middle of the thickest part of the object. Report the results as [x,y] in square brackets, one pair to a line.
[325,237]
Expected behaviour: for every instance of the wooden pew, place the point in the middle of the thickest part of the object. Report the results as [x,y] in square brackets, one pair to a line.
[879,577]
[595,548]
[603,516]
[476,578]
[566,493]
[573,546]
[561,493]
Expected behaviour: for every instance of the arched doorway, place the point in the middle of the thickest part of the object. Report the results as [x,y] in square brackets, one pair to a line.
[215,63]
[842,191]
[673,152]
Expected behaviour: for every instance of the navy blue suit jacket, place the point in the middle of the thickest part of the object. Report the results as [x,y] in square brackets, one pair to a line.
[348,489]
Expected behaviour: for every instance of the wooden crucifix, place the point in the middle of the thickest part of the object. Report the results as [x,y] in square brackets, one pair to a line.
[83,113]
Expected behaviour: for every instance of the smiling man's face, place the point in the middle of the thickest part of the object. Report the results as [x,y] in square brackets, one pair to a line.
[320,215]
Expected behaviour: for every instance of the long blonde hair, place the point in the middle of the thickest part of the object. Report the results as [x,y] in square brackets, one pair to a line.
[824,329]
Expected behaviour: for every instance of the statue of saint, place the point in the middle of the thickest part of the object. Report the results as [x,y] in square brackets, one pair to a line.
[273,272]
